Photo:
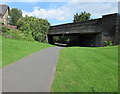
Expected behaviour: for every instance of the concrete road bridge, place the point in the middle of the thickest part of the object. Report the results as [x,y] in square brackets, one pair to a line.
[89,33]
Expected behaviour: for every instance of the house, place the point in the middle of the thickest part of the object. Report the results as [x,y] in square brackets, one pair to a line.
[4,9]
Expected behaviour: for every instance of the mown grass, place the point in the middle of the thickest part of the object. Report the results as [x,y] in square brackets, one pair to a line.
[13,50]
[87,70]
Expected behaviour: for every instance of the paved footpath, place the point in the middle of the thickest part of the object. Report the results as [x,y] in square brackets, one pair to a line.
[34,73]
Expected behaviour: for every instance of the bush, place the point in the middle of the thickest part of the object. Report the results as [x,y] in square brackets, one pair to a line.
[28,36]
[5,29]
[15,34]
[108,43]
[38,28]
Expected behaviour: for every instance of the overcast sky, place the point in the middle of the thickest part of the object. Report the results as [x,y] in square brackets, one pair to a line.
[63,12]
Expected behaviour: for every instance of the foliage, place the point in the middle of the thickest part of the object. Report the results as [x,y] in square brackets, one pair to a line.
[16,34]
[62,39]
[83,16]
[13,50]
[69,40]
[5,29]
[87,70]
[15,14]
[36,27]
[108,43]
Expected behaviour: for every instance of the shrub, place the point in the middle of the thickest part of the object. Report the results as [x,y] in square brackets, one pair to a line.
[5,29]
[38,28]
[15,34]
[28,36]
[108,43]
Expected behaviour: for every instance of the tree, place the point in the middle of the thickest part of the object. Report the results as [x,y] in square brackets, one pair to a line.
[35,27]
[15,14]
[83,16]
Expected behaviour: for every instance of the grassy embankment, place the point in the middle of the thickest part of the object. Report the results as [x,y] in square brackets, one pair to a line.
[87,70]
[13,50]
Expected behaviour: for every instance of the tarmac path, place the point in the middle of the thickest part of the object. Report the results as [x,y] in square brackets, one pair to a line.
[34,73]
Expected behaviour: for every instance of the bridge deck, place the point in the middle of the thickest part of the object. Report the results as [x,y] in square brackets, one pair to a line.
[91,26]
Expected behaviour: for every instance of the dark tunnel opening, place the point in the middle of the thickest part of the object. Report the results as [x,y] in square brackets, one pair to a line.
[81,40]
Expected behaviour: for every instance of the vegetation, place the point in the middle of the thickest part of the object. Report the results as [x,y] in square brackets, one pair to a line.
[68,40]
[16,34]
[83,16]
[108,43]
[30,28]
[15,14]
[35,27]
[13,50]
[87,70]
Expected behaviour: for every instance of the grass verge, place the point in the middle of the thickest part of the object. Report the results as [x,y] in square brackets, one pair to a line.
[13,50]
[87,70]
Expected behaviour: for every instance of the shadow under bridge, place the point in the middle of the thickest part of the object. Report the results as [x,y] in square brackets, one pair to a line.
[87,34]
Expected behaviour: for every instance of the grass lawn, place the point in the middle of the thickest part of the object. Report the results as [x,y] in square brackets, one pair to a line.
[13,50]
[87,70]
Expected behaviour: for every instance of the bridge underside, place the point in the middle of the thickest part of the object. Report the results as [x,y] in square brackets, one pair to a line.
[85,40]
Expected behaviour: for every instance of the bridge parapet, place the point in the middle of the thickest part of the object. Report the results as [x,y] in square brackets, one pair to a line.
[91,26]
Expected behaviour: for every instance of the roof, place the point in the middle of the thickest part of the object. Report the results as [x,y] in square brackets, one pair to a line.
[3,9]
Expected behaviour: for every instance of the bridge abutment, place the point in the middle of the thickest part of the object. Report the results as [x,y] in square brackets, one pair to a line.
[50,39]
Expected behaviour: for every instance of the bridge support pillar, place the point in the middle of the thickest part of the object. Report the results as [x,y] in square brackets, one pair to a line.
[50,39]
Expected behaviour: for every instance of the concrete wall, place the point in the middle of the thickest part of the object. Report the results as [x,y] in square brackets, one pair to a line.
[103,29]
[118,31]
[109,27]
